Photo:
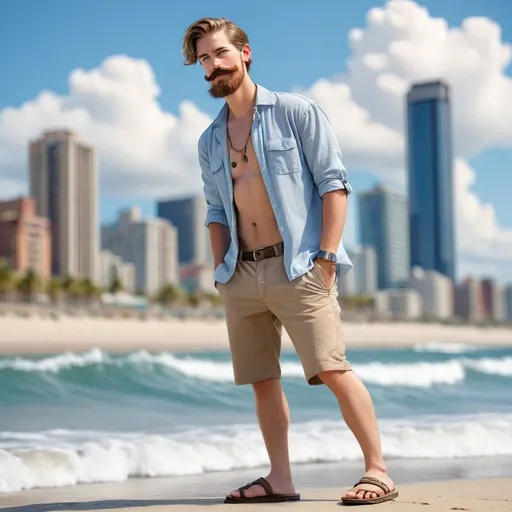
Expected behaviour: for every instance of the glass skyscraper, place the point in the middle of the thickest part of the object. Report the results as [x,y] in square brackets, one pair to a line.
[188,214]
[383,226]
[430,178]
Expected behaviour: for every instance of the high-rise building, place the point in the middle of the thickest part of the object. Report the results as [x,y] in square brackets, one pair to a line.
[25,238]
[430,178]
[150,244]
[468,300]
[63,182]
[436,292]
[383,227]
[507,299]
[492,300]
[404,304]
[112,268]
[188,214]
[362,279]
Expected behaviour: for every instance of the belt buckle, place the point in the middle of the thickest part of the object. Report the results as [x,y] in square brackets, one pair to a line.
[258,254]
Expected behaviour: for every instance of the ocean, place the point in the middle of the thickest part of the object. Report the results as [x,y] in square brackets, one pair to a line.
[94,417]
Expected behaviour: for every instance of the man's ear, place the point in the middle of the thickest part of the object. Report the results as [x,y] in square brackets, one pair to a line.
[246,53]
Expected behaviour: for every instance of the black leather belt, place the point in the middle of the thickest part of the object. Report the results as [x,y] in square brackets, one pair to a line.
[263,253]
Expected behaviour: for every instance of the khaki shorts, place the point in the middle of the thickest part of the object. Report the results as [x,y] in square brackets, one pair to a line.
[259,300]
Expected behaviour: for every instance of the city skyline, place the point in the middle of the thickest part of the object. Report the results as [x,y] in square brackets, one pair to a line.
[147,255]
[365,107]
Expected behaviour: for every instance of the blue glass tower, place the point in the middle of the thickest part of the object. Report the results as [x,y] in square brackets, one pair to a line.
[430,171]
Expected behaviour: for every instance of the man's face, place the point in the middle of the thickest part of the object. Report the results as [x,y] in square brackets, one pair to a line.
[223,64]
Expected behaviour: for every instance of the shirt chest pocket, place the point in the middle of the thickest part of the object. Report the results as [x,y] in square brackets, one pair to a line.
[283,156]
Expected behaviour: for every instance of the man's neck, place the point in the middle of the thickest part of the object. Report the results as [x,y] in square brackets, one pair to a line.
[241,101]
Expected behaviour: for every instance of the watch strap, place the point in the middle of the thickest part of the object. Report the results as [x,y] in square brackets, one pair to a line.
[326,255]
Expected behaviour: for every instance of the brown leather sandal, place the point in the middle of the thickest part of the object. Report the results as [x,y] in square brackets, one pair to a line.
[387,496]
[270,497]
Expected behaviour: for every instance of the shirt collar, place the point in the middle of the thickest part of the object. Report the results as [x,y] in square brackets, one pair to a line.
[263,97]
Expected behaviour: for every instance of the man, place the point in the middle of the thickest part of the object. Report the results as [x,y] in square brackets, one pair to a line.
[276,191]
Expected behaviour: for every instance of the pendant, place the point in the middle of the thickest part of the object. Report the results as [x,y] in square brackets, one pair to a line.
[245,159]
[233,164]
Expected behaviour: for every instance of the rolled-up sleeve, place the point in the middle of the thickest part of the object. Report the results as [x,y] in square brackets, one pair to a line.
[322,151]
[214,208]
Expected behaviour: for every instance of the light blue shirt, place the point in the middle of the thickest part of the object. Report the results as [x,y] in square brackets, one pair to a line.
[300,160]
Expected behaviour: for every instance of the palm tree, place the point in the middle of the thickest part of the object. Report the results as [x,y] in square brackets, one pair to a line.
[90,290]
[168,295]
[116,285]
[7,279]
[54,289]
[73,288]
[29,285]
[194,299]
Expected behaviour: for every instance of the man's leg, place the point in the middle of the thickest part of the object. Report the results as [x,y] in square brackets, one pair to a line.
[255,343]
[274,420]
[357,409]
[311,315]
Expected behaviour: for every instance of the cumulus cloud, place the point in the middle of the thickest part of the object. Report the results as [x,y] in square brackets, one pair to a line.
[478,231]
[403,44]
[143,150]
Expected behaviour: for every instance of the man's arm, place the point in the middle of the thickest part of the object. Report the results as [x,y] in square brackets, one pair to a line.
[334,212]
[219,241]
[324,157]
[322,151]
[216,219]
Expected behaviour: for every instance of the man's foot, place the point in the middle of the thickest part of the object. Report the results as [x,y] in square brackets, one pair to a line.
[370,491]
[279,486]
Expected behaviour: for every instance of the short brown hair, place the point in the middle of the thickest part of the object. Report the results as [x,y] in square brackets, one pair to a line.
[237,37]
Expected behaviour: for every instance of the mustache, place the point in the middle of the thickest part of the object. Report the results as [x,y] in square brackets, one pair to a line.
[220,71]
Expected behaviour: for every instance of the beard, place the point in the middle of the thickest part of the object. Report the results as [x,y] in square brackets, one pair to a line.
[229,83]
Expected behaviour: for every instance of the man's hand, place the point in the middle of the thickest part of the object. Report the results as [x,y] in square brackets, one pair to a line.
[327,271]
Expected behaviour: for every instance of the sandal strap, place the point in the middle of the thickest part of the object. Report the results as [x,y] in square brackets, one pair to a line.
[374,481]
[259,481]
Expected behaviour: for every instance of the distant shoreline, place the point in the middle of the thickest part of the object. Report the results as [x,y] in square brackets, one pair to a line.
[24,336]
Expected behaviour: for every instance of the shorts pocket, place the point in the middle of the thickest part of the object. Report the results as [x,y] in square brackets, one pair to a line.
[318,275]
[283,155]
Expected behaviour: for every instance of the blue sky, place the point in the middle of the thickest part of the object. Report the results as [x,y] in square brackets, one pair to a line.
[42,42]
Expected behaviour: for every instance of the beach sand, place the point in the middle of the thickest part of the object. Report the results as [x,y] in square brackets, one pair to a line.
[39,335]
[477,495]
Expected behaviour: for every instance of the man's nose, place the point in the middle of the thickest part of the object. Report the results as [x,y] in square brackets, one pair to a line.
[216,62]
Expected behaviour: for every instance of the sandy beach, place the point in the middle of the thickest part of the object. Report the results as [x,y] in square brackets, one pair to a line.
[478,495]
[40,335]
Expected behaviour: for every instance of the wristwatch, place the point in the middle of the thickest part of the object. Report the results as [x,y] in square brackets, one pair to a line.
[327,256]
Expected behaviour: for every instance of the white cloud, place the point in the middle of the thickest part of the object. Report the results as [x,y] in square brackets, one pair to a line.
[145,151]
[478,230]
[403,44]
